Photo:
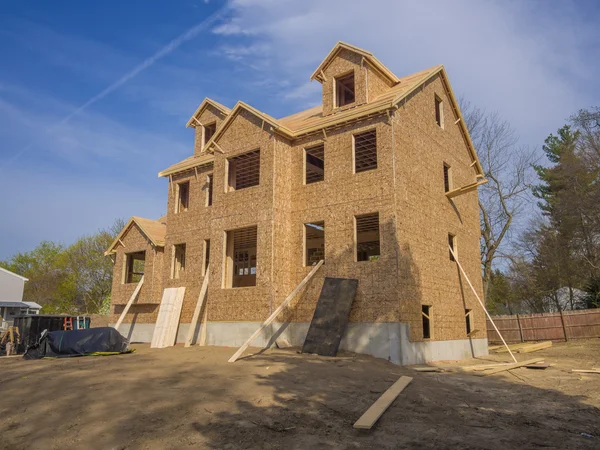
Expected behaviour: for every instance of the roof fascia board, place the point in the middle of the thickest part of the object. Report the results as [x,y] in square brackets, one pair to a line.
[14,274]
[205,103]
[124,231]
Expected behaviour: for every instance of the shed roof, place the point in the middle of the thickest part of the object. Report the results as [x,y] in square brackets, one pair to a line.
[154,230]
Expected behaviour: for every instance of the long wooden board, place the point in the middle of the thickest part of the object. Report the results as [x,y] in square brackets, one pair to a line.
[331,316]
[167,322]
[130,302]
[372,415]
[273,316]
[199,305]
[512,366]
[535,347]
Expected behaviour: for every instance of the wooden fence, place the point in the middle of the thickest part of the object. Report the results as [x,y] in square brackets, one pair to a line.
[560,326]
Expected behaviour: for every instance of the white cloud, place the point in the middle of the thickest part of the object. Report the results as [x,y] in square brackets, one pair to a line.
[534,65]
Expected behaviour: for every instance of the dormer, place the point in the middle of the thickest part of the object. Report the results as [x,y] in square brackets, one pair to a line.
[351,77]
[206,120]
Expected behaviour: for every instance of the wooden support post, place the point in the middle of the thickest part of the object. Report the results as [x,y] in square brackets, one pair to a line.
[203,330]
[199,304]
[520,329]
[273,316]
[129,303]
[481,303]
[562,319]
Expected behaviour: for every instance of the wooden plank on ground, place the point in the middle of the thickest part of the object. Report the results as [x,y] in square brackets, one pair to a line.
[585,371]
[273,316]
[199,305]
[535,347]
[427,369]
[130,302]
[372,415]
[512,366]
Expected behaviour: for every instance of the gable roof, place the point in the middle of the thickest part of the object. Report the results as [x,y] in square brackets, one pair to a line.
[368,56]
[205,104]
[312,120]
[154,230]
[13,274]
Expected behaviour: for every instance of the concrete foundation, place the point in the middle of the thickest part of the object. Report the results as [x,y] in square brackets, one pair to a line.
[383,340]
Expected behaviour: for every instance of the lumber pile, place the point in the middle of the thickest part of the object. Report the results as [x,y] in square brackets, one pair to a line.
[523,347]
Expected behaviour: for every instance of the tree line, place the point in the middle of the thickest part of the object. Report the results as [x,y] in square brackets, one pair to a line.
[74,279]
[551,261]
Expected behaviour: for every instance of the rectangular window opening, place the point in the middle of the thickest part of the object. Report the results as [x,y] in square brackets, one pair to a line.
[183,197]
[178,261]
[134,267]
[439,112]
[367,237]
[209,130]
[314,243]
[344,90]
[452,245]
[206,256]
[447,178]
[209,189]
[243,171]
[240,261]
[469,321]
[365,151]
[426,315]
[314,160]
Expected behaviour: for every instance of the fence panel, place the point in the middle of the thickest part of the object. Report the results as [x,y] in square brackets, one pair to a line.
[578,324]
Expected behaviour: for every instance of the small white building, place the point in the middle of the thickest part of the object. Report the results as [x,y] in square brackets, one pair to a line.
[11,298]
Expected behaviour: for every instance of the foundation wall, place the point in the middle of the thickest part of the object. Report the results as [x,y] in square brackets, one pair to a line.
[384,340]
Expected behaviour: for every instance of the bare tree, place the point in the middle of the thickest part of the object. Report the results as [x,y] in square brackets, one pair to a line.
[508,168]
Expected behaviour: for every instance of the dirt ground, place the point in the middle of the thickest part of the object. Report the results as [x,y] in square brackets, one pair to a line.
[192,397]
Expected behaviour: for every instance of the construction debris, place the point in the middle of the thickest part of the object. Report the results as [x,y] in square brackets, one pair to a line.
[372,415]
[427,369]
[535,347]
[511,366]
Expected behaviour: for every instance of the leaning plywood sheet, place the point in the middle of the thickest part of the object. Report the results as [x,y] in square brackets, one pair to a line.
[165,330]
[372,415]
[331,316]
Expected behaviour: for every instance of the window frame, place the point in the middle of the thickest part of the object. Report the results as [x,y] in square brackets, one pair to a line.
[354,135]
[356,243]
[469,321]
[439,111]
[128,265]
[305,155]
[429,317]
[178,203]
[304,240]
[229,174]
[336,83]
[447,177]
[178,266]
[212,125]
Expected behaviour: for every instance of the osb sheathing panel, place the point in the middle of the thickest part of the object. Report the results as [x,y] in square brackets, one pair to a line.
[344,63]
[376,83]
[426,216]
[415,219]
[151,290]
[336,201]
[208,116]
[230,210]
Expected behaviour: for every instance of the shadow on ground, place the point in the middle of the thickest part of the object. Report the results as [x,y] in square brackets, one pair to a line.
[177,397]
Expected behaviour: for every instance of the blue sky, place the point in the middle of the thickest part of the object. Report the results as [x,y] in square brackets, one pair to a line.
[94,96]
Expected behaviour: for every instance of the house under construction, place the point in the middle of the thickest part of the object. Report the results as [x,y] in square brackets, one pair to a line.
[379,181]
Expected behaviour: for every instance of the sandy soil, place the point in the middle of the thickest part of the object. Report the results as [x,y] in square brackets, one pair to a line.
[178,397]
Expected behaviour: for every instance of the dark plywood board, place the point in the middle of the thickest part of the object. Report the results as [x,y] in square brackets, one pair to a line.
[331,316]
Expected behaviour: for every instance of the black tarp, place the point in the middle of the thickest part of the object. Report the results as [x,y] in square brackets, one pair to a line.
[331,316]
[63,344]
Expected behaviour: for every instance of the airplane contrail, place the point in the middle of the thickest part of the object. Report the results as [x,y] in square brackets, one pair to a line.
[164,51]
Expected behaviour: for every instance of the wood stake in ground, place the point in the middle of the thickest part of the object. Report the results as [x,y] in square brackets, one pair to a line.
[273,316]
[481,303]
[129,303]
[372,415]
[199,304]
